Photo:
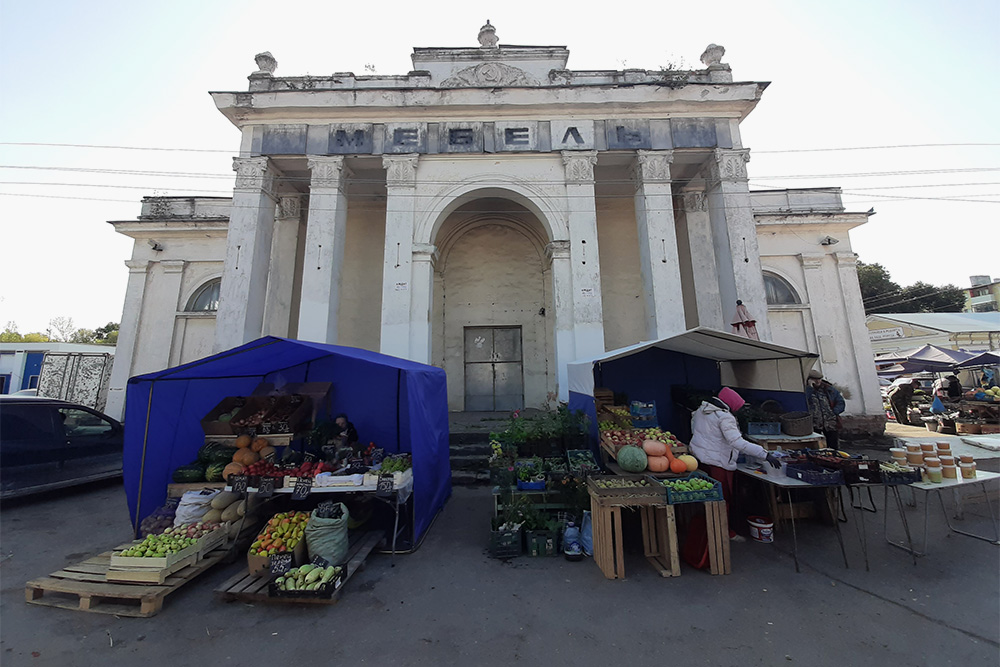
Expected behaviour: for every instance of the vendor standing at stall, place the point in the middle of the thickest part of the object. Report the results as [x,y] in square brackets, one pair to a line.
[826,404]
[716,442]
[900,394]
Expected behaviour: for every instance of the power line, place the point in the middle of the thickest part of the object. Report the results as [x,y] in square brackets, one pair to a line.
[868,148]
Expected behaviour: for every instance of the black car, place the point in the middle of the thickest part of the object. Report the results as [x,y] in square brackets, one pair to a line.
[48,444]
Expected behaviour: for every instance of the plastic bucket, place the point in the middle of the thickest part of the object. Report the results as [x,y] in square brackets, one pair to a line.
[761,529]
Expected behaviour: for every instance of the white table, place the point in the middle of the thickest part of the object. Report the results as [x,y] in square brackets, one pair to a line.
[982,478]
[770,442]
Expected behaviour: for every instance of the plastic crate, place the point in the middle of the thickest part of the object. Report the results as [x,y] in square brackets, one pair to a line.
[810,473]
[675,497]
[856,471]
[324,592]
[542,542]
[764,428]
[653,488]
[505,543]
[530,486]
[893,478]
[581,460]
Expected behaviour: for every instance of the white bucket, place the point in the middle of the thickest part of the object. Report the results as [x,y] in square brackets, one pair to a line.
[761,529]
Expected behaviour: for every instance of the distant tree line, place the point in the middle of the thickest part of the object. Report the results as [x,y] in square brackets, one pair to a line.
[62,330]
[881,295]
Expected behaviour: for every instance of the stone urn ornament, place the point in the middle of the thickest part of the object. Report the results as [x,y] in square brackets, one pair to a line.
[266,64]
[712,56]
[488,36]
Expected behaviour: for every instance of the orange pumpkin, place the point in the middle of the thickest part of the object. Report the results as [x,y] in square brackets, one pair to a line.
[678,466]
[246,456]
[232,469]
[654,448]
[259,444]
[243,441]
[658,463]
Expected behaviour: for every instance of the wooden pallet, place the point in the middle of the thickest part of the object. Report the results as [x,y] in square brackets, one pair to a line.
[84,587]
[245,588]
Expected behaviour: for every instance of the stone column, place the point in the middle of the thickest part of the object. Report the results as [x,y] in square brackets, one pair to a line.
[847,273]
[558,253]
[326,229]
[661,274]
[704,269]
[248,248]
[128,333]
[735,236]
[421,302]
[284,241]
[397,258]
[585,261]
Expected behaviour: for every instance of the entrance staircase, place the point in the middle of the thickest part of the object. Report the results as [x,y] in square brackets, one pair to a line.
[469,444]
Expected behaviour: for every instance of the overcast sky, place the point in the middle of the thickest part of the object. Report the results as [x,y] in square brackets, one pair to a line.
[885,76]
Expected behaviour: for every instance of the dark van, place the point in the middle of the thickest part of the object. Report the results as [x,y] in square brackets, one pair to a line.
[48,444]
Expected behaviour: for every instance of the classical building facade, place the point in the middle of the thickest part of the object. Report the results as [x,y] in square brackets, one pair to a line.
[495,214]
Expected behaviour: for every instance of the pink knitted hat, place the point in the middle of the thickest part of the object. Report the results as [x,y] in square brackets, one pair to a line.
[731,398]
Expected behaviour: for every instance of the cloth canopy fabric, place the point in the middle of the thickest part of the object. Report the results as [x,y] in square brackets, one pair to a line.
[989,358]
[923,358]
[400,405]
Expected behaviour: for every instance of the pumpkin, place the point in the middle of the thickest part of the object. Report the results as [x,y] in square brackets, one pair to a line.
[232,469]
[632,459]
[658,463]
[243,441]
[690,461]
[654,448]
[677,466]
[246,456]
[259,444]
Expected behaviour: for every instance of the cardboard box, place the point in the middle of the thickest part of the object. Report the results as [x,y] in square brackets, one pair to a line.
[211,425]
[260,566]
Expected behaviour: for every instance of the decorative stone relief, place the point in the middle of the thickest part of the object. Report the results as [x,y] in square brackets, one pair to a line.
[137,265]
[811,260]
[173,265]
[488,36]
[713,55]
[729,165]
[846,259]
[557,250]
[401,170]
[266,64]
[579,166]
[695,201]
[490,74]
[289,207]
[652,166]
[327,172]
[251,173]
[425,252]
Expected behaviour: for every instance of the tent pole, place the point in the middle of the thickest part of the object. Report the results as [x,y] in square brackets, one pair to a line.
[399,379]
[142,466]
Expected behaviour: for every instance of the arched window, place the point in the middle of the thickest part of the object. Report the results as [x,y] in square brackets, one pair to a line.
[778,291]
[206,299]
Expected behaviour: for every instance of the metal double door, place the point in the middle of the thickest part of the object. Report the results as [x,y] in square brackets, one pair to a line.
[494,379]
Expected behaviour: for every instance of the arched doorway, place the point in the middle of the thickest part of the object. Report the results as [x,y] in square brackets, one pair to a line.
[493,321]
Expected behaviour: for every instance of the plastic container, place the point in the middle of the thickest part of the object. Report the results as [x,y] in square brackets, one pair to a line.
[898,453]
[914,458]
[934,475]
[931,457]
[761,529]
[932,462]
[927,447]
[943,446]
[966,458]
[968,470]
[946,460]
[949,472]
[913,447]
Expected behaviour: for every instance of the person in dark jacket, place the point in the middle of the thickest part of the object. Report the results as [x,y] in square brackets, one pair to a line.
[900,394]
[826,404]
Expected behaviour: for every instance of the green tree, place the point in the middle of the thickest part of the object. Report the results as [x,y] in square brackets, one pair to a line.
[880,294]
[107,335]
[83,336]
[10,333]
[35,337]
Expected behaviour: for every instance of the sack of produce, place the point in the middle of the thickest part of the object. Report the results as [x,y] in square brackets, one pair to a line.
[327,537]
[194,505]
[161,518]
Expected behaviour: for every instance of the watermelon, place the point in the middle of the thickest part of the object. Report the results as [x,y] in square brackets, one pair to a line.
[190,473]
[631,459]
[213,472]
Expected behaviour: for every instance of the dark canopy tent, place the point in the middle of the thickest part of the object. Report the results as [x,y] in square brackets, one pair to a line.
[989,358]
[398,404]
[702,358]
[926,358]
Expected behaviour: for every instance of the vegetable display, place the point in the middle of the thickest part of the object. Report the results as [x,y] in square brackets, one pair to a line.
[632,459]
[307,577]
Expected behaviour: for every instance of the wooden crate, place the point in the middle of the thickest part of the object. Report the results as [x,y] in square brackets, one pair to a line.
[248,588]
[119,562]
[659,539]
[717,526]
[84,587]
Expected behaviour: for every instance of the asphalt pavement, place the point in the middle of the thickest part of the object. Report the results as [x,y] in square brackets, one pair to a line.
[451,604]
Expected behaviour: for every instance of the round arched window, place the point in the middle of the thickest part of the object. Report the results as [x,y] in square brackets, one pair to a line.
[206,299]
[778,291]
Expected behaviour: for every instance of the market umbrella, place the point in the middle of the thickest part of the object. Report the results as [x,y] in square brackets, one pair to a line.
[989,358]
[924,358]
[743,323]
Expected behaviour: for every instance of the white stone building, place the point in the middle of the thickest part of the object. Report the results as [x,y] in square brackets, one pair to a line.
[495,214]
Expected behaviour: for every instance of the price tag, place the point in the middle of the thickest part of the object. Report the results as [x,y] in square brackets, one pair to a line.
[280,563]
[271,455]
[265,488]
[319,561]
[239,483]
[378,455]
[309,457]
[303,485]
[386,486]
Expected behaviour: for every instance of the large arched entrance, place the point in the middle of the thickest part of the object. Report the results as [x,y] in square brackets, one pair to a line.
[493,319]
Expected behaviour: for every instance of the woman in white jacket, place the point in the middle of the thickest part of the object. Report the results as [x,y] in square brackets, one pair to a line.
[716,442]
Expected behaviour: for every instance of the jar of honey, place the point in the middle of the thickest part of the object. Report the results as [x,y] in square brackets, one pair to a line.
[949,472]
[968,470]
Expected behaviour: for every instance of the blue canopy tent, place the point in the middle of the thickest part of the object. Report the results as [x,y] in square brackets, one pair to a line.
[702,358]
[398,404]
[926,358]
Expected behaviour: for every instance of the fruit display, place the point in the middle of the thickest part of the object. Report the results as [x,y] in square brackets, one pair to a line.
[213,472]
[655,433]
[171,540]
[690,484]
[215,451]
[619,437]
[281,534]
[308,469]
[307,577]
[264,469]
[632,459]
[193,472]
[398,463]
[621,483]
[161,518]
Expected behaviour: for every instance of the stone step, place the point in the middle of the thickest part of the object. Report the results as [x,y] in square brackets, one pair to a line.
[470,477]
[468,438]
[465,462]
[471,448]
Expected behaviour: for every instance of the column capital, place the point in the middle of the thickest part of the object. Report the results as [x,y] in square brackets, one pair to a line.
[401,170]
[289,207]
[729,165]
[652,167]
[846,259]
[327,171]
[695,201]
[253,173]
[173,265]
[579,166]
[426,252]
[137,265]
[811,260]
[557,250]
